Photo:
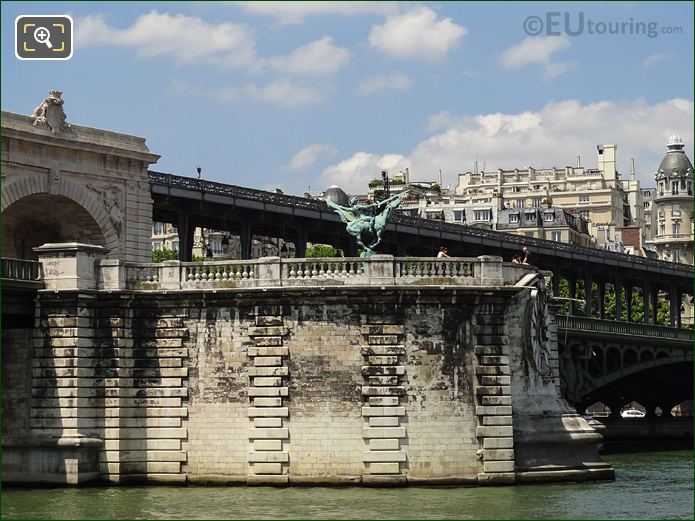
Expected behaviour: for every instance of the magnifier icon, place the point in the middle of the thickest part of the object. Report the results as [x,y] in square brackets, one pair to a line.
[42,35]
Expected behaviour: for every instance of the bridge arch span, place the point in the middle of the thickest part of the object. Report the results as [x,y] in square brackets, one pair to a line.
[638,368]
[33,215]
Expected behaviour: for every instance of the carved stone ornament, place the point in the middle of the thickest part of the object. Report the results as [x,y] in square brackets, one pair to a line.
[50,114]
[110,196]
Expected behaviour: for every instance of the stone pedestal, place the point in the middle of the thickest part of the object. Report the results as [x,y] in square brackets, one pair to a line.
[70,265]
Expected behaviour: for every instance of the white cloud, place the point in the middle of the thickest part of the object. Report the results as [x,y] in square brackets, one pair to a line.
[354,173]
[281,92]
[296,12]
[538,49]
[551,136]
[315,58]
[308,155]
[417,34]
[187,39]
[655,58]
[381,82]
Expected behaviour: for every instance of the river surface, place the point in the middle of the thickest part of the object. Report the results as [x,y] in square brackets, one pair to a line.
[648,485]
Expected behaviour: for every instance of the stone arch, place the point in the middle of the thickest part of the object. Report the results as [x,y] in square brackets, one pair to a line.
[642,366]
[629,357]
[26,186]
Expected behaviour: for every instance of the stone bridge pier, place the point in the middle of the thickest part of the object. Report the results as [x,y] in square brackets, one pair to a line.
[379,371]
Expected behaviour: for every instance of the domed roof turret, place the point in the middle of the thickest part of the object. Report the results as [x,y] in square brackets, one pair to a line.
[337,195]
[675,162]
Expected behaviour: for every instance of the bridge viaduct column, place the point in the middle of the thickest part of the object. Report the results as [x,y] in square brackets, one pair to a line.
[646,288]
[602,299]
[628,299]
[245,238]
[186,231]
[300,245]
[618,286]
[556,280]
[655,303]
[573,293]
[588,290]
[674,295]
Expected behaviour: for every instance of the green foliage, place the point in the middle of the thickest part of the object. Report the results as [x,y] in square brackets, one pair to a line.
[197,258]
[323,250]
[662,309]
[164,255]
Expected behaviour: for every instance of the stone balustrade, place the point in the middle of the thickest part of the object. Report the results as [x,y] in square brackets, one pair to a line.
[379,270]
[276,272]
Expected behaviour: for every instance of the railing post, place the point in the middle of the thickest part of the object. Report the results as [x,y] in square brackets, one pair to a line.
[269,271]
[170,275]
[111,274]
[490,270]
[70,265]
[380,269]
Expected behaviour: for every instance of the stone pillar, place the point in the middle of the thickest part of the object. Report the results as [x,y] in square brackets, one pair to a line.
[628,300]
[268,373]
[384,430]
[70,265]
[380,269]
[490,270]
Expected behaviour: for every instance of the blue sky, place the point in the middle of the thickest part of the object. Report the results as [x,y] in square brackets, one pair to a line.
[309,94]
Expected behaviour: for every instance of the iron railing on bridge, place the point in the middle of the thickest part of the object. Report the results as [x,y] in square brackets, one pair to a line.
[212,187]
[622,328]
[21,270]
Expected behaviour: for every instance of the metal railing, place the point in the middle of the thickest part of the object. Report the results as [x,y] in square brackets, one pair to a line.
[189,183]
[21,270]
[584,324]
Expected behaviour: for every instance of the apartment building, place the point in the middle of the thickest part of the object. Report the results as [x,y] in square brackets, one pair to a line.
[671,215]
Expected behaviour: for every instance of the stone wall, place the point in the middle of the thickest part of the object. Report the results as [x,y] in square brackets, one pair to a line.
[382,386]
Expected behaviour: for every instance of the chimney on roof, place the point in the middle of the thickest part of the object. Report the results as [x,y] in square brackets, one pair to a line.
[632,169]
[579,160]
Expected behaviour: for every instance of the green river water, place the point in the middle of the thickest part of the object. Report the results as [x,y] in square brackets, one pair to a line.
[652,485]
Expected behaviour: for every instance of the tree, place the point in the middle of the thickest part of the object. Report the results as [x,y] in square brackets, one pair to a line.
[323,250]
[164,254]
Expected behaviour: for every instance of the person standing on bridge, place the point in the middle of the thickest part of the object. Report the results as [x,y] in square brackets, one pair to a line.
[443,252]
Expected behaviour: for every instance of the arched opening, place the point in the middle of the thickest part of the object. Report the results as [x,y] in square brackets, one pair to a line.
[685,408]
[40,218]
[595,364]
[612,359]
[629,357]
[598,410]
[646,356]
[633,410]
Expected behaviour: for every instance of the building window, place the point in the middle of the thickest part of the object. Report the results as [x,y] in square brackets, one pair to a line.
[536,202]
[530,216]
[675,209]
[481,215]
[583,198]
[661,188]
[458,215]
[690,188]
[513,218]
[674,187]
[646,205]
[676,254]
[549,216]
[556,236]
[157,245]
[216,246]
[676,227]
[175,245]
[662,229]
[159,228]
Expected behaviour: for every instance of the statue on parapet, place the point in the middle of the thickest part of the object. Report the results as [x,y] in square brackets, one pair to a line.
[50,114]
[367,222]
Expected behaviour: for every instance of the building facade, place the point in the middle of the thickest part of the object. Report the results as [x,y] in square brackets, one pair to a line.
[596,194]
[671,213]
